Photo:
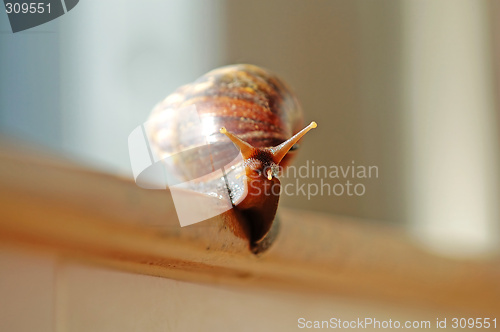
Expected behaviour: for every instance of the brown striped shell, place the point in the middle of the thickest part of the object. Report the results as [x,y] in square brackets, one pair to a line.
[247,100]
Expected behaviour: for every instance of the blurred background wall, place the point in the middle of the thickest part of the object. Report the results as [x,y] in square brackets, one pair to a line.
[407,86]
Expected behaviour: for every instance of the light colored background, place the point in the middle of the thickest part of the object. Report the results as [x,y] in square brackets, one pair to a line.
[408,86]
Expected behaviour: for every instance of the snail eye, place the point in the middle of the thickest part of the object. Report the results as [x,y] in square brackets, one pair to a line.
[295,147]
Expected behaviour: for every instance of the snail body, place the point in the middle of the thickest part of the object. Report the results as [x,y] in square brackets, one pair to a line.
[263,121]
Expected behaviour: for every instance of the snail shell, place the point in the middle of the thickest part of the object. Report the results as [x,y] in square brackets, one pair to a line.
[258,113]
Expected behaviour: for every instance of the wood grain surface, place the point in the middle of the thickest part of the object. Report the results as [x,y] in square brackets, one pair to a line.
[48,204]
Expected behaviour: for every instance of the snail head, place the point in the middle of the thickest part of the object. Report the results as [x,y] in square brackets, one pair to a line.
[265,161]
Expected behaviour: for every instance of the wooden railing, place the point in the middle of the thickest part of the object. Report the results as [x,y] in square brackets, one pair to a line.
[98,218]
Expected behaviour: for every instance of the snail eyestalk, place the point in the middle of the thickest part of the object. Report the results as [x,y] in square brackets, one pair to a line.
[246,149]
[281,150]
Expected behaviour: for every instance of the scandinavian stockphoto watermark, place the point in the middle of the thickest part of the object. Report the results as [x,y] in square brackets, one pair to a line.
[310,180]
[174,149]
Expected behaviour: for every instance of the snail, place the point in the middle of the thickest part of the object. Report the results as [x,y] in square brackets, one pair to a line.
[244,111]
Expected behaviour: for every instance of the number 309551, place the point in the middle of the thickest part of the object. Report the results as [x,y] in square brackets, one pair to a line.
[24,8]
